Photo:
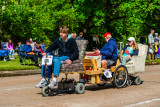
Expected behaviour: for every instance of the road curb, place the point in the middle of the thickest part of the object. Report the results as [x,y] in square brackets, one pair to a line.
[19,72]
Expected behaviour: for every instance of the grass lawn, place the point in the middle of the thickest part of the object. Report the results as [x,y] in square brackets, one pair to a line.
[158,60]
[14,65]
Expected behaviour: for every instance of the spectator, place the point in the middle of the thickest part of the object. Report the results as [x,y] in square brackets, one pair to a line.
[156,39]
[108,52]
[157,42]
[28,49]
[74,35]
[129,50]
[151,44]
[80,37]
[18,47]
[156,50]
[143,39]
[95,40]
[10,48]
[38,49]
[68,51]
[32,43]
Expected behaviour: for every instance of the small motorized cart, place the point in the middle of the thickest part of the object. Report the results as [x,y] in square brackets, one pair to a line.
[90,73]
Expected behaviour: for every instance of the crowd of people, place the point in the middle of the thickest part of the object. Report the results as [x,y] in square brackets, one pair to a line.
[153,44]
[31,48]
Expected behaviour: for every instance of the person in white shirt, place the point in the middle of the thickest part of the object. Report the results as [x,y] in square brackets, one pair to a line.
[151,44]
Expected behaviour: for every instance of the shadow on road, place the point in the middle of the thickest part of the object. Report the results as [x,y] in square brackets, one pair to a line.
[96,87]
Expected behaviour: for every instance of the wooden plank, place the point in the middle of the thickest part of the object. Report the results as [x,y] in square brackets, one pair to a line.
[113,68]
[97,78]
[109,81]
[87,60]
[118,63]
[93,79]
[88,64]
[81,72]
[94,63]
[100,69]
[120,69]
[93,72]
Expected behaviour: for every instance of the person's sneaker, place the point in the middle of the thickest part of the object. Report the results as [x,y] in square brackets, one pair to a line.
[107,74]
[52,84]
[41,84]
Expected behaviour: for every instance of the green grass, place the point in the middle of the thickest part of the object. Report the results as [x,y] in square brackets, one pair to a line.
[13,65]
[158,60]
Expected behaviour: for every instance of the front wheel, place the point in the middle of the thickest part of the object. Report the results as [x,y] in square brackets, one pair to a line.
[120,76]
[45,91]
[80,88]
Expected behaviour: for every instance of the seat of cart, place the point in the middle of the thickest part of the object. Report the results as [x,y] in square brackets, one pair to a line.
[137,63]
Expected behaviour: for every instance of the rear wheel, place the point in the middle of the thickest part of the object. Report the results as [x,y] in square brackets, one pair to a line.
[129,83]
[137,80]
[120,76]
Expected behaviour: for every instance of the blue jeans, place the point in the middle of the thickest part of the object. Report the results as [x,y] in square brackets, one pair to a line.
[124,61]
[11,52]
[43,73]
[57,66]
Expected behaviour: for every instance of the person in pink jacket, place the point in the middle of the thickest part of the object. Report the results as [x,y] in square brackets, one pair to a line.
[10,48]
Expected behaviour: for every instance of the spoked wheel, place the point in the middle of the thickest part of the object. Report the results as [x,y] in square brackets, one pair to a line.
[120,76]
[101,85]
[80,88]
[45,91]
[137,80]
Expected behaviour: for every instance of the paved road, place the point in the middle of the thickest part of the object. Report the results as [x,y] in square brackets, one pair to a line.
[20,91]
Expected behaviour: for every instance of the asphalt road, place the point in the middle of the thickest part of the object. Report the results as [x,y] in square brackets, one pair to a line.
[20,91]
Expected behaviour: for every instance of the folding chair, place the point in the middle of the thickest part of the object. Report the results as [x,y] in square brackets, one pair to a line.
[39,53]
[4,54]
[23,57]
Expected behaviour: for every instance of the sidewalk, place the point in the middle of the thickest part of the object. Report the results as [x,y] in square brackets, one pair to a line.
[19,72]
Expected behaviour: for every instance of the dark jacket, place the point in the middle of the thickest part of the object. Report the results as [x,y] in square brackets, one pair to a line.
[68,48]
[37,49]
[109,50]
[27,48]
[142,40]
[135,52]
[79,38]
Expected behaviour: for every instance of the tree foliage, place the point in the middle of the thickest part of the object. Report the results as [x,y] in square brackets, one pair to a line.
[41,19]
